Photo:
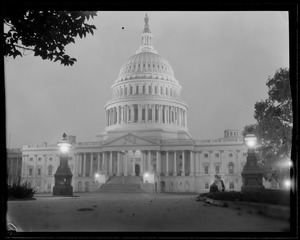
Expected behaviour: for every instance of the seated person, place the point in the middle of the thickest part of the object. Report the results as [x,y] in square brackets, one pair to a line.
[214,187]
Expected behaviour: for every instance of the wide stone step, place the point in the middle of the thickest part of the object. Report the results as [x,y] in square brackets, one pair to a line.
[125,180]
[120,186]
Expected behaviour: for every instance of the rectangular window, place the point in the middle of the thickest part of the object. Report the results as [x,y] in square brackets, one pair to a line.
[231,185]
[206,185]
[31,159]
[217,155]
[30,171]
[40,159]
[206,170]
[206,155]
[39,171]
[245,154]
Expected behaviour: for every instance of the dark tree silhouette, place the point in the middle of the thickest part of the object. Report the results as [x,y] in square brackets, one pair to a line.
[46,33]
[274,126]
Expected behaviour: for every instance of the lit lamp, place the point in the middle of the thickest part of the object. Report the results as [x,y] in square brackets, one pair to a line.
[252,174]
[63,175]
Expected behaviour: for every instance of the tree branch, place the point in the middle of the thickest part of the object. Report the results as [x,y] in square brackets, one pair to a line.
[25,48]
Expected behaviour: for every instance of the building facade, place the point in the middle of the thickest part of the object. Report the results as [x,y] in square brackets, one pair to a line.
[146,132]
[14,165]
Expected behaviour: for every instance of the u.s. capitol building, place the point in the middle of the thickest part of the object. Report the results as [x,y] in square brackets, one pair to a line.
[146,136]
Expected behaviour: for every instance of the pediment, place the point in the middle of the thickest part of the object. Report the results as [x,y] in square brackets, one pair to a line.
[130,140]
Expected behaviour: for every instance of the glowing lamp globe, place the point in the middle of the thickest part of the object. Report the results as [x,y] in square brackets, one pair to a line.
[64,147]
[250,140]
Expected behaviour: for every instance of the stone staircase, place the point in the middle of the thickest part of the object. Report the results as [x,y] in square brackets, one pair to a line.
[129,184]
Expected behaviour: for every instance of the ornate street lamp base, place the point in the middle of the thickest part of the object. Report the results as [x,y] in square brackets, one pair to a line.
[63,190]
[252,182]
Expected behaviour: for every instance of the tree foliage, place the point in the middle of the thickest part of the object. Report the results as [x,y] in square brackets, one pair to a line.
[46,33]
[274,126]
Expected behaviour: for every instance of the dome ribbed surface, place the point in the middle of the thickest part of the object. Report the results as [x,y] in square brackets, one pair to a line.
[146,64]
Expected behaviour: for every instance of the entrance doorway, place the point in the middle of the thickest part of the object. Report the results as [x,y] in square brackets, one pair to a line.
[137,170]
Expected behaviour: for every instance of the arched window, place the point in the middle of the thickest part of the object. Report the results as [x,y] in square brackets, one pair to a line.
[130,90]
[137,90]
[171,92]
[121,92]
[156,114]
[155,89]
[163,114]
[167,93]
[161,90]
[125,91]
[144,89]
[50,168]
[149,89]
[231,168]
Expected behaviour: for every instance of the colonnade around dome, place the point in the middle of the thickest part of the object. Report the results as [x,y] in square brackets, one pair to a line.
[146,113]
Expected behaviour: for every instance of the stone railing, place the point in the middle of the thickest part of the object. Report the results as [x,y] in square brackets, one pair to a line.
[146,96]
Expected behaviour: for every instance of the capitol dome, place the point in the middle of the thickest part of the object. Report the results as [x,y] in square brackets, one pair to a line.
[146,64]
[146,97]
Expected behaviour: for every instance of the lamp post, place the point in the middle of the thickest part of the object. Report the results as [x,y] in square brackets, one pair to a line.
[63,175]
[252,173]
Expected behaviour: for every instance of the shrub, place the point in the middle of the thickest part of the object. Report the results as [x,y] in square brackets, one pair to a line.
[20,190]
[268,196]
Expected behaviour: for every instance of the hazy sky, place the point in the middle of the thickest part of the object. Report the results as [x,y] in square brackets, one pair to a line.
[222,60]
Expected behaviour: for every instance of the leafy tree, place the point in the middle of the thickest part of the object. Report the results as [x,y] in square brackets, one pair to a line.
[46,33]
[274,125]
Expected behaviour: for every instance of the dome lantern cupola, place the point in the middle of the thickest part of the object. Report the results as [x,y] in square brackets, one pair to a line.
[147,36]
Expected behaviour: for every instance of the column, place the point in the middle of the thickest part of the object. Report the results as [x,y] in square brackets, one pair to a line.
[79,165]
[84,164]
[91,166]
[183,164]
[146,113]
[196,156]
[153,113]
[98,164]
[175,165]
[133,164]
[139,113]
[142,163]
[179,116]
[185,120]
[149,161]
[167,163]
[132,114]
[103,170]
[222,170]
[118,165]
[192,163]
[75,165]
[211,171]
[158,168]
[118,115]
[126,163]
[110,163]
